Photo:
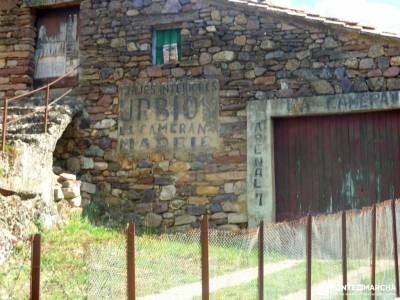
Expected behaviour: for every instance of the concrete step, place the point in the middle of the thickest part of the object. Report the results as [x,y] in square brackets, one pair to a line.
[26,138]
[36,117]
[30,128]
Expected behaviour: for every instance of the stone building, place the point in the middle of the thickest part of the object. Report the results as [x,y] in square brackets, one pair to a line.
[189,106]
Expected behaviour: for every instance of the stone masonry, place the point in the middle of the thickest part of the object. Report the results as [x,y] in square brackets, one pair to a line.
[17,42]
[254,53]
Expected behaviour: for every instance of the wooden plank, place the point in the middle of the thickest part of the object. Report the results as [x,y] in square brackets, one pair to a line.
[281,168]
[393,151]
[396,146]
[385,157]
[323,157]
[390,160]
[348,175]
[335,170]
[336,157]
[308,180]
[292,131]
[298,185]
[396,151]
[339,172]
[315,165]
[285,207]
[378,129]
[352,159]
[395,248]
[370,160]
[363,133]
[358,162]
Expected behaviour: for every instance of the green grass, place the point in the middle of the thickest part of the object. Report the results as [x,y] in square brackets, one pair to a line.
[176,259]
[82,260]
[67,268]
[284,282]
[63,263]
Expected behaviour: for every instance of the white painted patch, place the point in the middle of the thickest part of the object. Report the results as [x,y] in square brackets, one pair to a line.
[348,189]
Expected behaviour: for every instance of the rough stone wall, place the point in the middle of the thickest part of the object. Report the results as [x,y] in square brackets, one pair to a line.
[17,41]
[253,54]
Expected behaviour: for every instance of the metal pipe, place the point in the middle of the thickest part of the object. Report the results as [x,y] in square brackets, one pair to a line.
[47,87]
[39,109]
[344,254]
[373,246]
[309,255]
[130,254]
[261,261]
[4,131]
[59,97]
[205,275]
[46,109]
[395,250]
[35,267]
[42,87]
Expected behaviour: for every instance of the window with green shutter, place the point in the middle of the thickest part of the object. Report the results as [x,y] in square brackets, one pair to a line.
[167,47]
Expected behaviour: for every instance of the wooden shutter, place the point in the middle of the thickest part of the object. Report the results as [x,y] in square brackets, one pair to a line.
[166,38]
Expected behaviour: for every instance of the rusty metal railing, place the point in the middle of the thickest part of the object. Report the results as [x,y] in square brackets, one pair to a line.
[47,105]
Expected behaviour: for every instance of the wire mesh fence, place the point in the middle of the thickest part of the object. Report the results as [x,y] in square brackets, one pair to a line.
[233,259]
[169,266]
[15,272]
[385,267]
[326,256]
[285,258]
[106,271]
[69,282]
[166,262]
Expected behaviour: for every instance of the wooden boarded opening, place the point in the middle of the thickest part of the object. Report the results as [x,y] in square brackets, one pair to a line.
[57,46]
[324,164]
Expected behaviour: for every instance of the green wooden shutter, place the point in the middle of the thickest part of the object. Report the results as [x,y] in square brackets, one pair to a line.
[167,37]
[159,47]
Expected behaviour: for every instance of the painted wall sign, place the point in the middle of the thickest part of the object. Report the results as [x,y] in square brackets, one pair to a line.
[177,117]
[57,50]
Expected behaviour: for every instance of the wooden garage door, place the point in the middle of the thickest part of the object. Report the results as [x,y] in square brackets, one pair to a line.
[324,164]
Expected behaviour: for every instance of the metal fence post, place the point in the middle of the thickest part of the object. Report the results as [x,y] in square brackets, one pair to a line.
[35,267]
[373,250]
[205,280]
[344,254]
[261,261]
[4,130]
[309,255]
[130,253]
[395,250]
[46,109]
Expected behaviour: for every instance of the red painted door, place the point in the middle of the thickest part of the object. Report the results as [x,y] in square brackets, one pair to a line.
[324,164]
